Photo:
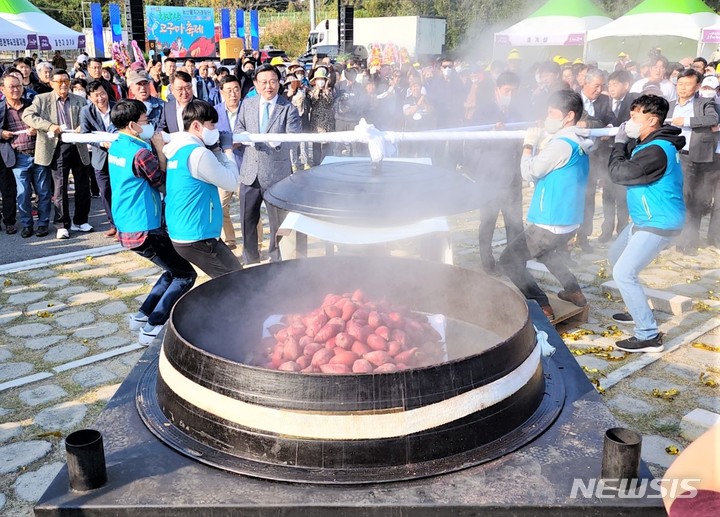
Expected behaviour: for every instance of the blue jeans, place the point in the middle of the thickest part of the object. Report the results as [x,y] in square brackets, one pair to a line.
[178,278]
[29,176]
[629,255]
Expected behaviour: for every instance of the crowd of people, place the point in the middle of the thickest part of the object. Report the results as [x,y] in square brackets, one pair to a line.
[170,202]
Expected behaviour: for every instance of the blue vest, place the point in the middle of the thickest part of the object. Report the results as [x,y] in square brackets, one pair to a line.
[192,207]
[559,197]
[659,204]
[136,205]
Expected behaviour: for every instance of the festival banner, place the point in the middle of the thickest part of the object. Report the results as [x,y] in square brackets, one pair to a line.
[115,24]
[254,30]
[224,23]
[240,24]
[186,31]
[97,29]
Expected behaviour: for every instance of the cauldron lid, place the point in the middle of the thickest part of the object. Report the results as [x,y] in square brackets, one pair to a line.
[354,193]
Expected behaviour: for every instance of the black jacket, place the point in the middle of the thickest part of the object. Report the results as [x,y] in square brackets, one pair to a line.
[648,164]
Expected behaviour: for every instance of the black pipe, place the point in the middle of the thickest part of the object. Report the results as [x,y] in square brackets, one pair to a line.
[621,456]
[85,460]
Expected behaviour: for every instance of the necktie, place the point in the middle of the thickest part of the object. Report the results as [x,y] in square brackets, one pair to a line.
[265,117]
[616,107]
[589,108]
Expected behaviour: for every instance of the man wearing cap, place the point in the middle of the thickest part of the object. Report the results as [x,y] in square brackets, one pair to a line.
[139,88]
[322,116]
[696,116]
[263,164]
[513,61]
[621,62]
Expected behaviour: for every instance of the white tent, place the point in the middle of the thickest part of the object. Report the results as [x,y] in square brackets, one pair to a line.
[13,37]
[673,25]
[558,23]
[51,34]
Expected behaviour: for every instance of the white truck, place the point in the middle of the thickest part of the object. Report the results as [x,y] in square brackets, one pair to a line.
[420,35]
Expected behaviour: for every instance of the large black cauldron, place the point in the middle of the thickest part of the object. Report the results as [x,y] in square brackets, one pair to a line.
[488,399]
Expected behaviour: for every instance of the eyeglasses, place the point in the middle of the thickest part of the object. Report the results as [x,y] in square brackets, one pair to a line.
[446,66]
[62,81]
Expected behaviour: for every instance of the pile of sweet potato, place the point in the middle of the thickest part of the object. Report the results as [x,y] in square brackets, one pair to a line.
[349,334]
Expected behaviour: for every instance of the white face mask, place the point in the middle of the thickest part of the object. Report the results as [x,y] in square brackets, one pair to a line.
[300,76]
[504,101]
[673,79]
[148,130]
[81,93]
[211,71]
[632,128]
[210,137]
[320,83]
[707,93]
[447,72]
[553,125]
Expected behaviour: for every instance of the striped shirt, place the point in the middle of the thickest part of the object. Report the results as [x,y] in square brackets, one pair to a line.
[23,143]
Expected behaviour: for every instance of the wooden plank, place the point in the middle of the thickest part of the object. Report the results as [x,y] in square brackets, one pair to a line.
[567,315]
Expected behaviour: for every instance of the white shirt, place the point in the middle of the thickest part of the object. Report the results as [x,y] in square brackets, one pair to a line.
[668,89]
[588,105]
[178,117]
[105,117]
[687,111]
[232,116]
[272,103]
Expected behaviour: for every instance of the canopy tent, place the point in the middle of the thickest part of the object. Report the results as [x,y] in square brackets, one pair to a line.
[51,34]
[558,27]
[13,37]
[673,25]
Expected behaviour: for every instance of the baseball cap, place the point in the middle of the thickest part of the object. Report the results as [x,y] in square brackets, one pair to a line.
[82,58]
[135,77]
[710,82]
[277,61]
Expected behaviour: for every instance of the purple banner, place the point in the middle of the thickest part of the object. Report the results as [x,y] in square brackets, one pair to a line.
[32,42]
[575,39]
[45,43]
[711,36]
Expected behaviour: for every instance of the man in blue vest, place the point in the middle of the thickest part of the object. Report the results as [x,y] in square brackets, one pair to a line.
[560,174]
[136,179]
[646,160]
[192,204]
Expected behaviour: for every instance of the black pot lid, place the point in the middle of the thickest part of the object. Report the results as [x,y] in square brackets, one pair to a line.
[356,193]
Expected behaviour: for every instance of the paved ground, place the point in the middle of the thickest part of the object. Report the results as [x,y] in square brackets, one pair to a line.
[63,333]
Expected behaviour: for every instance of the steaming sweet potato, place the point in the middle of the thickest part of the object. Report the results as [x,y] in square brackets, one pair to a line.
[396,318]
[378,357]
[394,348]
[330,343]
[358,296]
[374,319]
[329,330]
[399,335]
[337,321]
[332,311]
[344,340]
[276,358]
[292,349]
[322,357]
[348,310]
[360,348]
[296,330]
[341,302]
[367,331]
[282,334]
[355,329]
[305,341]
[361,314]
[345,357]
[309,369]
[330,299]
[311,348]
[362,366]
[289,366]
[401,366]
[383,332]
[303,361]
[376,342]
[407,357]
[335,368]
[386,368]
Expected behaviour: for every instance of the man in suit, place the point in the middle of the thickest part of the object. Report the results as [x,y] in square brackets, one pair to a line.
[50,114]
[264,165]
[696,116]
[597,113]
[613,194]
[94,70]
[206,88]
[227,112]
[171,120]
[139,86]
[8,189]
[96,117]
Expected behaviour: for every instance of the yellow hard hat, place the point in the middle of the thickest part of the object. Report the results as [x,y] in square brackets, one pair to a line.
[514,54]
[578,61]
[717,69]
[277,61]
[622,54]
[561,60]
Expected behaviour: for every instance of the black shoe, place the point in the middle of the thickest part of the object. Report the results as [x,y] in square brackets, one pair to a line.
[623,317]
[26,232]
[42,231]
[634,344]
[584,245]
[604,238]
[10,229]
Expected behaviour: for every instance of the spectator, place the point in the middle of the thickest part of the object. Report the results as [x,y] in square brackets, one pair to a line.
[50,114]
[94,70]
[350,106]
[656,74]
[155,73]
[245,70]
[193,209]
[139,85]
[96,117]
[171,120]
[44,72]
[137,179]
[696,116]
[322,115]
[115,82]
[559,171]
[645,159]
[170,67]
[205,86]
[79,87]
[58,61]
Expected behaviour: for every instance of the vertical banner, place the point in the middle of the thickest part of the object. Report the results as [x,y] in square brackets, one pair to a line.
[96,22]
[254,30]
[115,25]
[224,23]
[240,24]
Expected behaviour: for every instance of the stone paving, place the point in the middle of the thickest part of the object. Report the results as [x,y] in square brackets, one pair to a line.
[64,329]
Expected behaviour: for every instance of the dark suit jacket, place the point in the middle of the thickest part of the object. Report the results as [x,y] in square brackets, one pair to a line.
[223,124]
[703,140]
[6,151]
[263,162]
[623,114]
[168,120]
[603,113]
[91,120]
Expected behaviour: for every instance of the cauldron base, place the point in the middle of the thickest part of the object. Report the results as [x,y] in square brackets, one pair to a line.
[147,478]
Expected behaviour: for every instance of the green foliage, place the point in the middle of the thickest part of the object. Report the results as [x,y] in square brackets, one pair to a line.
[287,34]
